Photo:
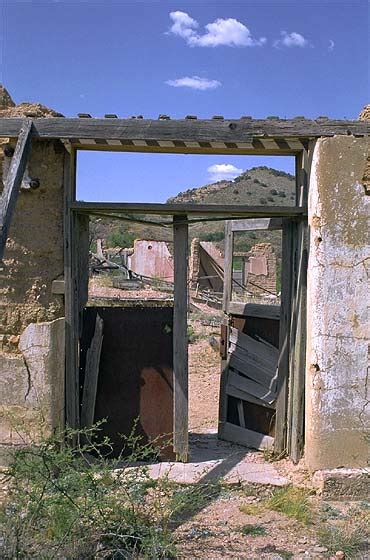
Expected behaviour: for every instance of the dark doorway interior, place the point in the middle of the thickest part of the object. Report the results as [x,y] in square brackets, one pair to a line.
[135,372]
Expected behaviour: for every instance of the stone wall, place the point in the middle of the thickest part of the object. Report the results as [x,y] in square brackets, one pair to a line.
[32,378]
[337,416]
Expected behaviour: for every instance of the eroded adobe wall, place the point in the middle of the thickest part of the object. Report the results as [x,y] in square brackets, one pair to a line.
[31,316]
[337,420]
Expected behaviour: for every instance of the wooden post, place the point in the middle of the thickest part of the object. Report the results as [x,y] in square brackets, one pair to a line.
[13,181]
[180,339]
[295,425]
[280,443]
[228,266]
[71,293]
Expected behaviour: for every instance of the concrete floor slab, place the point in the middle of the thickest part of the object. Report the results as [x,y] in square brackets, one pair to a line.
[213,460]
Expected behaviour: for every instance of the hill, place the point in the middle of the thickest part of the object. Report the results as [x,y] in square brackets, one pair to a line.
[256,186]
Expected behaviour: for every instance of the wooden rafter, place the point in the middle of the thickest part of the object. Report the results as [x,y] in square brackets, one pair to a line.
[269,136]
[13,181]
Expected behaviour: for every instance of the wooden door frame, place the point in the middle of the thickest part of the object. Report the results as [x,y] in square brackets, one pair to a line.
[75,271]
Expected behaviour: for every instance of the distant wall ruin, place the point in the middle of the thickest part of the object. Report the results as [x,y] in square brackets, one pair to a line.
[152,259]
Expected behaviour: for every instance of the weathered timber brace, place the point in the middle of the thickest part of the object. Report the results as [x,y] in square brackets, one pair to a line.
[270,136]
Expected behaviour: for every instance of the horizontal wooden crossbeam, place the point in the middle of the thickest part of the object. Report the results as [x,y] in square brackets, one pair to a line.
[206,210]
[270,136]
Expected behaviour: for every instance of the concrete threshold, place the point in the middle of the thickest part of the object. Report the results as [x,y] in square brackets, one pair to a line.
[213,460]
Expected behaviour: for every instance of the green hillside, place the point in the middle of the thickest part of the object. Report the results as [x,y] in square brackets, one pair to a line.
[256,186]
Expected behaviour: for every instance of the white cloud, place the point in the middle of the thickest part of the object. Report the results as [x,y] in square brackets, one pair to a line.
[194,82]
[228,32]
[223,172]
[183,25]
[293,39]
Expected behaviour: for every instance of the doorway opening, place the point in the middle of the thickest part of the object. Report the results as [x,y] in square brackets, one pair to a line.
[203,268]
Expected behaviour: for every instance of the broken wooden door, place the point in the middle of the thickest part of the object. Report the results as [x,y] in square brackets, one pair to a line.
[257,359]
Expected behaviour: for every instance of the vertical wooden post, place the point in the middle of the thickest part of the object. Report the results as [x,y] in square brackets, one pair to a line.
[180,339]
[297,362]
[284,338]
[71,293]
[228,266]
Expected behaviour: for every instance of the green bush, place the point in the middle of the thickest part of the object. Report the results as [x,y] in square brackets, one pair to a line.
[76,503]
[121,238]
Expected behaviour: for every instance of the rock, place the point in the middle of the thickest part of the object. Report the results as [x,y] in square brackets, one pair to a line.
[320,549]
[339,555]
[5,100]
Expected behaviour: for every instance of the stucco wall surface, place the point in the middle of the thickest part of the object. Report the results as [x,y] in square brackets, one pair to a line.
[337,419]
[31,316]
[34,251]
[32,385]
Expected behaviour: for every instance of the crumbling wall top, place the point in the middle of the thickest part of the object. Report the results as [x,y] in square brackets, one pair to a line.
[8,108]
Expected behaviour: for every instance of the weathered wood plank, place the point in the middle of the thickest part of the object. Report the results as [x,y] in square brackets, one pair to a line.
[246,437]
[71,297]
[91,375]
[266,352]
[13,181]
[253,367]
[284,339]
[82,244]
[238,394]
[254,310]
[180,338]
[228,267]
[214,210]
[295,436]
[241,413]
[256,224]
[231,131]
[248,385]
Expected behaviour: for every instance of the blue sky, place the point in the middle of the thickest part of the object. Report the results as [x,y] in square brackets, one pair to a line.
[183,57]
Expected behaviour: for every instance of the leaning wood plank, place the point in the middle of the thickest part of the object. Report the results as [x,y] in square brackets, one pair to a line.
[255,347]
[248,385]
[228,130]
[91,375]
[246,437]
[232,391]
[13,181]
[180,338]
[261,373]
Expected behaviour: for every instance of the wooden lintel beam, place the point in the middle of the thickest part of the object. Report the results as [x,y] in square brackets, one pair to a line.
[13,181]
[212,210]
[186,130]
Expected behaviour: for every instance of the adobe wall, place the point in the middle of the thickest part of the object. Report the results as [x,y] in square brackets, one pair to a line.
[31,316]
[337,415]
